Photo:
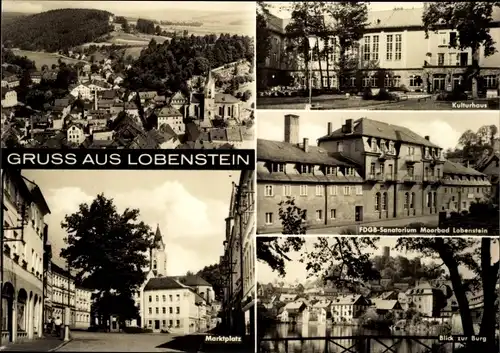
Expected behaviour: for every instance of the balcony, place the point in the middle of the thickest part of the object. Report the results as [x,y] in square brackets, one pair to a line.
[411,159]
[374,177]
[411,179]
[438,159]
[431,179]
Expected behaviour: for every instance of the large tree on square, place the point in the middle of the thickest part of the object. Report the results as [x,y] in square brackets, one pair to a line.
[108,251]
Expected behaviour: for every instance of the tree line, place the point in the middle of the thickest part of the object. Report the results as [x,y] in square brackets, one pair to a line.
[56,29]
[167,67]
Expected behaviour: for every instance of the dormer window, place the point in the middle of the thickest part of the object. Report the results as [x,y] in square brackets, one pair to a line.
[374,145]
[391,147]
[277,167]
[330,170]
[305,169]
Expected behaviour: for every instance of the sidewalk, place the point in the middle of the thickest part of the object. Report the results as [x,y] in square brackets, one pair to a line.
[45,344]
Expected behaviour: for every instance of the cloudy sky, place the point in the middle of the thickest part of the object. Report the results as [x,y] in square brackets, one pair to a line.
[158,9]
[296,272]
[443,127]
[190,214]
[279,8]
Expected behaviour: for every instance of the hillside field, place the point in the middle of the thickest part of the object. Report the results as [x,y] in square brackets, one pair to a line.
[42,58]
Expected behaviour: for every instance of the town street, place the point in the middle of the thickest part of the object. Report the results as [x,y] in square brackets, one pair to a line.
[83,341]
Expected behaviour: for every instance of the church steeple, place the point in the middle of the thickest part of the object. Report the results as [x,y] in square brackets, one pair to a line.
[158,255]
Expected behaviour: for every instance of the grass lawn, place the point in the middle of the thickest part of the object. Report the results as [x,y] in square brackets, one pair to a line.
[331,102]
[42,58]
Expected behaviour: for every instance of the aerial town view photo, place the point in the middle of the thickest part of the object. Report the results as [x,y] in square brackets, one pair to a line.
[157,266]
[139,75]
[359,172]
[377,294]
[378,55]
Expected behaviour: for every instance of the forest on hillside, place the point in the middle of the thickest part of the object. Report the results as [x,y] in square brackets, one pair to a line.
[56,29]
[167,67]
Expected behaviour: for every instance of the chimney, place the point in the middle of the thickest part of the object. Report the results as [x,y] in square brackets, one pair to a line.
[95,100]
[428,138]
[348,129]
[306,144]
[329,128]
[292,129]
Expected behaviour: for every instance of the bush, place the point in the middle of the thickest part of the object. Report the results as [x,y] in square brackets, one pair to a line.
[384,95]
[367,93]
[456,95]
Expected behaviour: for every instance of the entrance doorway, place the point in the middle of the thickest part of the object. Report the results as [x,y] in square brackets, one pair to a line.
[157,324]
[358,214]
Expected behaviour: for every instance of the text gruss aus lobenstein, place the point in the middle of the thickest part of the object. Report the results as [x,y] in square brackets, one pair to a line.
[131,159]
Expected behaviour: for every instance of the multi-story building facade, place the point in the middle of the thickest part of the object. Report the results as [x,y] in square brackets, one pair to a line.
[83,304]
[238,262]
[23,233]
[365,171]
[393,52]
[63,295]
[348,308]
[426,299]
[176,304]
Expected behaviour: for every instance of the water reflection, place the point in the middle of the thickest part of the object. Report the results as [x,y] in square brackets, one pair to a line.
[340,344]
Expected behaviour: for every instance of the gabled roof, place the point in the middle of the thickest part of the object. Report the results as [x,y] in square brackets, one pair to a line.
[459,169]
[193,281]
[225,98]
[160,283]
[350,299]
[384,304]
[167,111]
[373,128]
[275,151]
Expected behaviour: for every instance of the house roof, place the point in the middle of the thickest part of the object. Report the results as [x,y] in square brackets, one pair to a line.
[225,98]
[276,151]
[373,128]
[218,135]
[349,299]
[193,281]
[459,169]
[385,304]
[164,283]
[197,97]
[234,134]
[167,111]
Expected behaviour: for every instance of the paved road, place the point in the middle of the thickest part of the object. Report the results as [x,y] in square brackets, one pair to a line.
[121,342]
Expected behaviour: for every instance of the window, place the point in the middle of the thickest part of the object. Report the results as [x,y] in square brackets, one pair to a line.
[347,190]
[178,310]
[375,48]
[340,147]
[366,49]
[410,170]
[277,167]
[333,213]
[389,47]
[164,310]
[453,39]
[157,298]
[170,297]
[164,323]
[150,298]
[377,201]
[157,310]
[178,297]
[407,200]
[384,201]
[287,190]
[164,297]
[177,323]
[399,40]
[268,191]
[330,171]
[304,215]
[359,190]
[303,190]
[319,215]
[412,200]
[490,81]
[269,218]
[170,310]
[372,169]
[333,190]
[319,190]
[415,81]
[440,59]
[150,310]
[305,169]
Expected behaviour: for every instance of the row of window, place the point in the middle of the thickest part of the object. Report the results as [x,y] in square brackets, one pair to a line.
[393,48]
[164,297]
[178,323]
[270,219]
[269,190]
[164,310]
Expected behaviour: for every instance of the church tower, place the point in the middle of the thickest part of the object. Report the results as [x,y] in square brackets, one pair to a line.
[209,98]
[158,256]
